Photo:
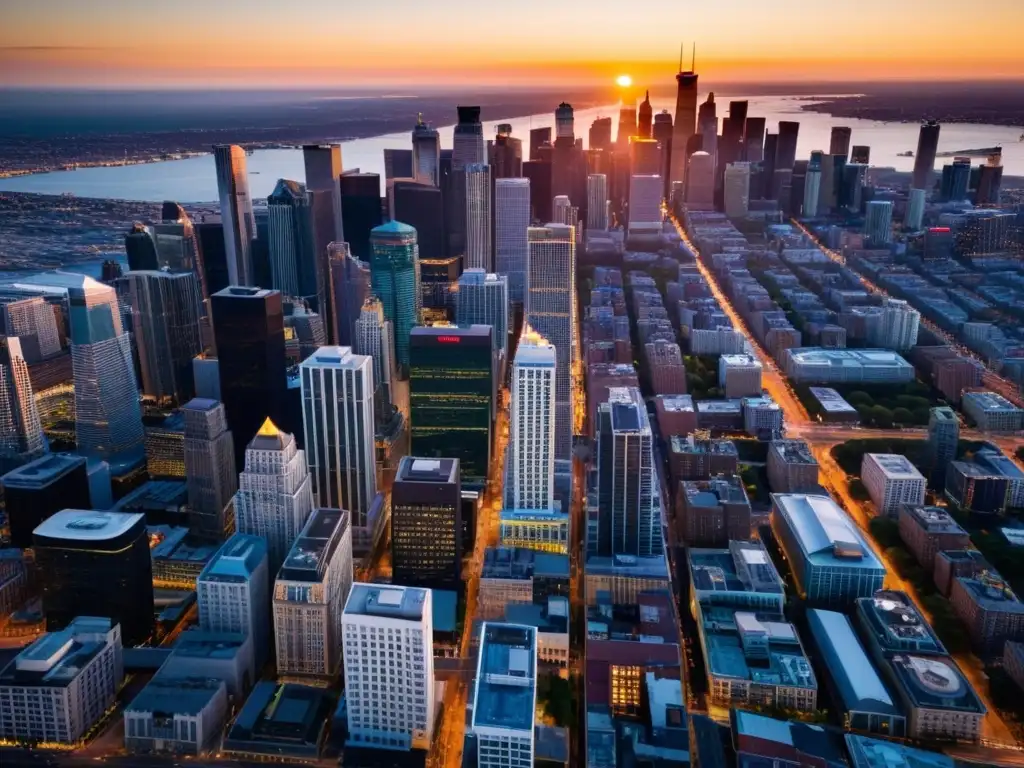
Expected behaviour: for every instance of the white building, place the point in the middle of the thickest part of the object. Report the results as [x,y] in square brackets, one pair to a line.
[544,530]
[878,222]
[700,181]
[233,593]
[716,341]
[375,339]
[21,432]
[597,202]
[530,463]
[483,300]
[891,481]
[478,216]
[275,495]
[505,695]
[645,195]
[564,212]
[899,325]
[338,423]
[209,468]
[739,375]
[58,687]
[992,412]
[761,414]
[550,309]
[818,365]
[737,189]
[179,715]
[309,597]
[915,210]
[32,317]
[511,221]
[389,667]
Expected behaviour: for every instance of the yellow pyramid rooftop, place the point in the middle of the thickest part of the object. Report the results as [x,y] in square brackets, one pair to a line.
[269,429]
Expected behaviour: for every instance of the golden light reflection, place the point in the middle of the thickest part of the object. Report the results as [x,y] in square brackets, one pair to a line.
[624,81]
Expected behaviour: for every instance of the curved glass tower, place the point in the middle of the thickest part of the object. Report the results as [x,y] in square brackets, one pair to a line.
[395,276]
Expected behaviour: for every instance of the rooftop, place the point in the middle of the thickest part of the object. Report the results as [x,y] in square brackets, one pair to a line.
[201,404]
[279,717]
[933,519]
[792,742]
[654,567]
[689,444]
[990,402]
[935,682]
[57,658]
[894,466]
[242,292]
[156,495]
[173,543]
[866,752]
[991,591]
[388,601]
[739,361]
[42,471]
[416,470]
[831,401]
[237,559]
[721,489]
[552,617]
[338,358]
[848,357]
[758,646]
[506,683]
[743,567]
[195,643]
[895,624]
[793,451]
[314,547]
[824,532]
[87,525]
[999,463]
[676,403]
[167,696]
[944,413]
[522,563]
[720,406]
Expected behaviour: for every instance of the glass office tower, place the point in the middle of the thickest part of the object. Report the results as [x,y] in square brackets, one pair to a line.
[395,277]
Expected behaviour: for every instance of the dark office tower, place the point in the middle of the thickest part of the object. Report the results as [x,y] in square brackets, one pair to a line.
[323,172]
[261,274]
[645,121]
[539,174]
[165,320]
[96,563]
[644,157]
[439,284]
[839,143]
[851,194]
[771,143]
[426,524]
[360,210]
[955,180]
[661,131]
[565,130]
[468,139]
[505,155]
[395,276]
[420,206]
[140,247]
[627,127]
[785,153]
[249,327]
[235,211]
[990,182]
[294,266]
[451,396]
[538,138]
[41,488]
[685,122]
[781,189]
[426,153]
[733,131]
[860,154]
[210,234]
[397,164]
[600,133]
[350,285]
[924,160]
[798,184]
[753,139]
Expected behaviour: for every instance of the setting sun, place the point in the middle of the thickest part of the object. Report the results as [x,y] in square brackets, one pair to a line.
[624,81]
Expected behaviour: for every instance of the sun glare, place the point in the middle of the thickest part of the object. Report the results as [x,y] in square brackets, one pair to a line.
[624,81]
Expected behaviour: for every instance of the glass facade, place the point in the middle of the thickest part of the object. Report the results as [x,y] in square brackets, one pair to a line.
[426,535]
[395,277]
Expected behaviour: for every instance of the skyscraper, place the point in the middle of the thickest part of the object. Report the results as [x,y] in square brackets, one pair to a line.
[374,339]
[404,616]
[539,137]
[422,208]
[236,214]
[685,120]
[753,140]
[530,465]
[360,210]
[483,300]
[563,211]
[395,275]
[878,222]
[478,216]
[166,307]
[41,488]
[323,174]
[812,190]
[451,397]
[627,126]
[600,136]
[737,189]
[140,247]
[899,325]
[249,327]
[915,209]
[275,495]
[338,423]
[597,202]
[32,317]
[108,420]
[98,561]
[209,468]
[505,154]
[426,153]
[468,142]
[21,434]
[309,598]
[538,173]
[506,683]
[839,142]
[210,236]
[350,285]
[294,267]
[785,153]
[943,439]
[924,159]
[511,220]
[426,524]
[700,181]
[645,121]
[860,153]
[661,132]
[628,521]
[955,180]
[550,310]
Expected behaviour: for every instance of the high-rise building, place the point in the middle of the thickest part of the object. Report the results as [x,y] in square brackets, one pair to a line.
[530,464]
[360,210]
[349,288]
[233,593]
[323,175]
[861,154]
[564,124]
[421,206]
[294,265]
[237,219]
[899,325]
[426,524]
[338,423]
[562,211]
[310,593]
[785,151]
[166,307]
[483,300]
[597,202]
[684,125]
[600,136]
[827,197]
[108,420]
[538,173]
[468,142]
[275,494]
[839,141]
[956,180]
[21,433]
[990,181]
[878,222]
[629,518]
[402,617]
[627,126]
[737,189]
[395,274]
[924,159]
[43,487]
[662,133]
[539,137]
[550,309]
[700,181]
[505,154]
[451,397]
[511,220]
[478,216]
[891,481]
[645,121]
[32,317]
[210,236]
[426,153]
[943,439]
[99,561]
[914,216]
[753,140]
[373,338]
[209,468]
[812,191]
[505,695]
[645,196]
[248,324]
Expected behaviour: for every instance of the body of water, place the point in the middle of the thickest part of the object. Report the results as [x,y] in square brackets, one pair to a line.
[194,180]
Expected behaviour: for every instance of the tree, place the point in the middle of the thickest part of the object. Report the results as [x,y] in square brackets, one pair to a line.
[858,397]
[559,703]
[902,416]
[885,531]
[882,416]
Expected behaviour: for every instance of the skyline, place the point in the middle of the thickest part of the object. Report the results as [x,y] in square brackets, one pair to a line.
[452,42]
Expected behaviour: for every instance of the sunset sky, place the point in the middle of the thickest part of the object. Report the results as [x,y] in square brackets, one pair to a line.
[269,43]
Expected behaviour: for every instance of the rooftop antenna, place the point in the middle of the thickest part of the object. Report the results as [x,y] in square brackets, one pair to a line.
[681,56]
[693,65]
